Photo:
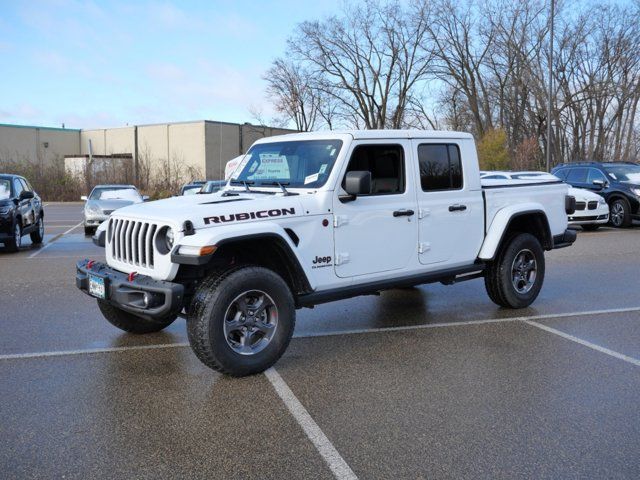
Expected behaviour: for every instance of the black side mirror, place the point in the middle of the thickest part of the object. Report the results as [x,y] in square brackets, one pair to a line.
[356,183]
[25,195]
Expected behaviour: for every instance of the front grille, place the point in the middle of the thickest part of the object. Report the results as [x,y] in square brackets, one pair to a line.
[593,205]
[580,205]
[132,241]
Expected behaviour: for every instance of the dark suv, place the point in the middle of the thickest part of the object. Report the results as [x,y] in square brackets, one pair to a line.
[21,212]
[617,182]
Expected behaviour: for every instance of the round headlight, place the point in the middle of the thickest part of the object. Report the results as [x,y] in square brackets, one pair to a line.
[169,238]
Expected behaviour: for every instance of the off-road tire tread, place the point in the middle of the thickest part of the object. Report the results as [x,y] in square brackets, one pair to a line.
[197,324]
[494,273]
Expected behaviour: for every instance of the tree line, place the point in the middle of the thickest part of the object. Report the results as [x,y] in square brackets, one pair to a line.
[475,66]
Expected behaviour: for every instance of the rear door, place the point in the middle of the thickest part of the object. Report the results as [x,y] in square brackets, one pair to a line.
[450,205]
[377,232]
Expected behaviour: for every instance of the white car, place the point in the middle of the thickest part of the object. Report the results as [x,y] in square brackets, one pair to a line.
[104,200]
[592,210]
[316,217]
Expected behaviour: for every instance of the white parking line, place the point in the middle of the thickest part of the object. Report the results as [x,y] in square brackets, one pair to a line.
[593,346]
[336,463]
[87,351]
[469,322]
[337,332]
[53,240]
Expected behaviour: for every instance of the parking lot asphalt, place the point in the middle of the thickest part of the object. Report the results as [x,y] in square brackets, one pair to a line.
[430,382]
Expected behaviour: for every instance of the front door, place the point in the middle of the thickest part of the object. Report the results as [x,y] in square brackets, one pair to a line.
[377,232]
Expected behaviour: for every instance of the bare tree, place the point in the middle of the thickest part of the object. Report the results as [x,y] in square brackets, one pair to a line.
[368,60]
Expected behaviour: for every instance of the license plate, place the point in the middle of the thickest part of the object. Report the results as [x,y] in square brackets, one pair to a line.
[97,287]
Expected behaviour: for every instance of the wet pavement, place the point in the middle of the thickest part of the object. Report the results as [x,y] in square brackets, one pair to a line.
[454,388]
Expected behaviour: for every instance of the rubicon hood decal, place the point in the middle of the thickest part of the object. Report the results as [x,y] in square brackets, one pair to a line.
[237,217]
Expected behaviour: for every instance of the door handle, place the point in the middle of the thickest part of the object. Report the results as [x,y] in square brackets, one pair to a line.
[403,213]
[457,208]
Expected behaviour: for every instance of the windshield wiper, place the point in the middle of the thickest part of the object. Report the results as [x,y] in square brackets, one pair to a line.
[246,183]
[281,185]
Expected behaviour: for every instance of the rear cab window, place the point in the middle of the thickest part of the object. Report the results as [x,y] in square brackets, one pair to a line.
[440,167]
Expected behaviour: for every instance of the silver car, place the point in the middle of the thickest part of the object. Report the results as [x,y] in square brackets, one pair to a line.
[104,199]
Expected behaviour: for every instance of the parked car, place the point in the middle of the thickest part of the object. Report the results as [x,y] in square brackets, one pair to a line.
[21,212]
[192,187]
[353,213]
[592,210]
[503,175]
[213,186]
[617,182]
[104,200]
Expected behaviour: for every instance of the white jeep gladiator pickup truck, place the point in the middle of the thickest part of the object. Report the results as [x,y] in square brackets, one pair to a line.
[310,218]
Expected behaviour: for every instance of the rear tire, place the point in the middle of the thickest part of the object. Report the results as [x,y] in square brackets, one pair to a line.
[131,323]
[38,236]
[241,320]
[620,213]
[515,277]
[590,228]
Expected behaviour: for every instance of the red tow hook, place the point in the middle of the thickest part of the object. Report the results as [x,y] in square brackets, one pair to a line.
[90,264]
[132,275]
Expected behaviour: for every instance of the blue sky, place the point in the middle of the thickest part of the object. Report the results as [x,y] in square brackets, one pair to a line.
[111,63]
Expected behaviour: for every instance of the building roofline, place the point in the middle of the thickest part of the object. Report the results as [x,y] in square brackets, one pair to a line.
[10,125]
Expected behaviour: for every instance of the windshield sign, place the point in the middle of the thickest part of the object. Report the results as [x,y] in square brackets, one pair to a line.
[624,173]
[297,164]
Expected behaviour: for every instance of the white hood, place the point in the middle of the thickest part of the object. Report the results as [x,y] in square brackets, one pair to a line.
[582,195]
[214,209]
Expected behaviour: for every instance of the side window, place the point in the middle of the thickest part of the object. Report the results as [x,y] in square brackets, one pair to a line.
[386,164]
[440,167]
[577,175]
[17,186]
[595,174]
[27,185]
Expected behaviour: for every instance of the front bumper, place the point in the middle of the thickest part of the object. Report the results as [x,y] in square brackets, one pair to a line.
[565,239]
[165,298]
[94,219]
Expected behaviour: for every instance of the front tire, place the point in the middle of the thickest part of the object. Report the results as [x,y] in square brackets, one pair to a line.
[620,213]
[591,228]
[15,243]
[131,323]
[88,231]
[515,277]
[241,321]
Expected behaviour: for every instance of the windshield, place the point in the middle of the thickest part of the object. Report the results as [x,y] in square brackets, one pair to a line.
[110,193]
[212,187]
[624,173]
[191,189]
[301,164]
[5,189]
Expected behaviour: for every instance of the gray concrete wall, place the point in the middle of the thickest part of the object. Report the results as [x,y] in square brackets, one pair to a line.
[39,145]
